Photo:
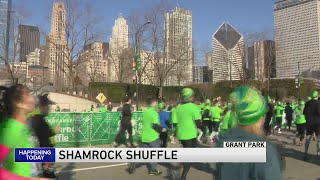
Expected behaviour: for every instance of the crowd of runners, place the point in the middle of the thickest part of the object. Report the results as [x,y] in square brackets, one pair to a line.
[245,116]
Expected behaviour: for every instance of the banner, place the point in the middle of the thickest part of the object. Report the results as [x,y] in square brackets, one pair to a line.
[90,129]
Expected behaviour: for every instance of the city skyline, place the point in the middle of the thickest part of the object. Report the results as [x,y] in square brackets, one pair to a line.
[208,14]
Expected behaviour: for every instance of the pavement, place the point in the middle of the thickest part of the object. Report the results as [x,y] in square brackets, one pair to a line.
[295,166]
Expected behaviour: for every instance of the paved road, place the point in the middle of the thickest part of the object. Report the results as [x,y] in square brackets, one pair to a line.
[296,168]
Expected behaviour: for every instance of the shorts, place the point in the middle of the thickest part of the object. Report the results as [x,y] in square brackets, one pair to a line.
[313,128]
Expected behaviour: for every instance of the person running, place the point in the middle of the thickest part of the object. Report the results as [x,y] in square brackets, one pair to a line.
[103,108]
[278,114]
[174,122]
[43,132]
[226,120]
[16,102]
[125,124]
[165,123]
[206,115]
[312,114]
[216,112]
[109,107]
[150,134]
[289,115]
[269,115]
[300,122]
[249,108]
[188,118]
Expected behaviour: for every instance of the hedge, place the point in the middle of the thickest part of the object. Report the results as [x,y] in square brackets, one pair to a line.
[279,89]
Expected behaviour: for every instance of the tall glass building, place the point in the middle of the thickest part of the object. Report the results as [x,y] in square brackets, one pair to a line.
[6,28]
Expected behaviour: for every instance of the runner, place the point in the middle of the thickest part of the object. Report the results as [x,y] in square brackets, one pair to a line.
[125,124]
[188,118]
[150,134]
[206,118]
[249,109]
[312,114]
[289,115]
[278,114]
[165,123]
[174,122]
[300,122]
[226,120]
[43,132]
[216,112]
[103,108]
[14,133]
[269,115]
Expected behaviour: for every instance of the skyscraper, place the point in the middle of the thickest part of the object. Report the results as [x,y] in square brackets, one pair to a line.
[118,42]
[93,65]
[57,47]
[178,35]
[297,29]
[227,54]
[6,28]
[262,60]
[29,40]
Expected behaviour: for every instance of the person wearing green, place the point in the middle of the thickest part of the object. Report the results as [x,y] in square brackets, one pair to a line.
[150,134]
[206,117]
[278,114]
[103,108]
[188,118]
[173,121]
[226,119]
[249,109]
[216,112]
[300,121]
[16,103]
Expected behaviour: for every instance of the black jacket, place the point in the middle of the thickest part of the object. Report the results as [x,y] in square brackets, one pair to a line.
[289,112]
[270,110]
[312,112]
[126,113]
[42,130]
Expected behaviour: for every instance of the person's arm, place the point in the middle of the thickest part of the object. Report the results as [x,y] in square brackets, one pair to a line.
[197,118]
[4,174]
[156,123]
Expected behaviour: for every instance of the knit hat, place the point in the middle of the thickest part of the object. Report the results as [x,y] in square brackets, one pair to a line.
[161,106]
[308,98]
[314,94]
[279,103]
[268,99]
[248,105]
[301,103]
[208,101]
[186,93]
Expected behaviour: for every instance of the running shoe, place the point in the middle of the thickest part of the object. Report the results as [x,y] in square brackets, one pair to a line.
[155,173]
[131,168]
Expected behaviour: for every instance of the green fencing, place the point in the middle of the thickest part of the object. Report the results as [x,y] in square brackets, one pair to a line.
[90,129]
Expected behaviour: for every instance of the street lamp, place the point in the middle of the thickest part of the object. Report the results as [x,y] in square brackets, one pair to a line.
[137,63]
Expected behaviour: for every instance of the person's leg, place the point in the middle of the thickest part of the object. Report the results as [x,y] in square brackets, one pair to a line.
[308,139]
[317,132]
[153,166]
[129,130]
[192,143]
[279,123]
[289,123]
[119,135]
[163,139]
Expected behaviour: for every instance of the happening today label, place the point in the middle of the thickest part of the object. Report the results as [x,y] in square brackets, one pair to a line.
[34,155]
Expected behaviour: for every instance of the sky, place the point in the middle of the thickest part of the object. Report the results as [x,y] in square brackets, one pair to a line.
[247,16]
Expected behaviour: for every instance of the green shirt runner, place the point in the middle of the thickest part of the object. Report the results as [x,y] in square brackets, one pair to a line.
[149,117]
[17,135]
[300,118]
[205,109]
[216,113]
[187,113]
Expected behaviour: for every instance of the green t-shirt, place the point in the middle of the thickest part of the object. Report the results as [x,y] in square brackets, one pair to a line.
[300,118]
[103,109]
[149,117]
[225,121]
[216,113]
[14,134]
[174,116]
[187,113]
[207,107]
[279,110]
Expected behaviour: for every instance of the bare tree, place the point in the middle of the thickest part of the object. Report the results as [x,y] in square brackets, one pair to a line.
[81,28]
[13,69]
[152,39]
